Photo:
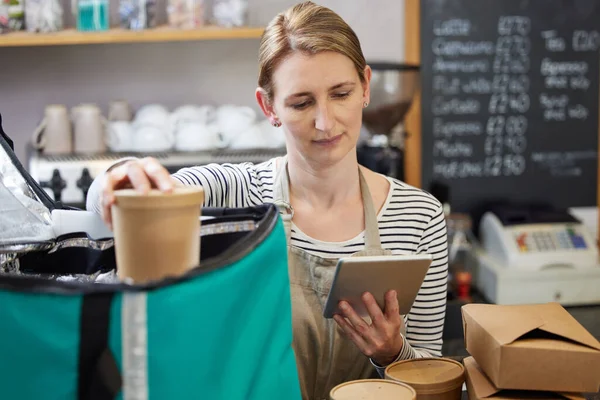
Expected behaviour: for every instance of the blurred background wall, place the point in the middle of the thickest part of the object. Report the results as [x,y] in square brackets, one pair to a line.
[202,72]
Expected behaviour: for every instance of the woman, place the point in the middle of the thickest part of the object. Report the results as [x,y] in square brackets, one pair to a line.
[313,83]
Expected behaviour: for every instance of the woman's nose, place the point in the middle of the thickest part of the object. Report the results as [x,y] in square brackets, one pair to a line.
[324,119]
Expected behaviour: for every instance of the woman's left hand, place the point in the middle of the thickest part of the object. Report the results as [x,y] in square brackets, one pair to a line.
[381,341]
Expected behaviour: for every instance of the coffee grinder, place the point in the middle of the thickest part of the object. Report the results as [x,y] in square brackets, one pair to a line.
[381,144]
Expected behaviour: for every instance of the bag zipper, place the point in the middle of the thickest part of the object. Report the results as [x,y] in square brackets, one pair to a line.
[236,252]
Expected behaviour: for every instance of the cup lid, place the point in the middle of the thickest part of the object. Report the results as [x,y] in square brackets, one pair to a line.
[427,374]
[179,197]
[372,389]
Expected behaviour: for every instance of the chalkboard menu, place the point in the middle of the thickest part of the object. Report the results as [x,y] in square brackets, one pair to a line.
[510,100]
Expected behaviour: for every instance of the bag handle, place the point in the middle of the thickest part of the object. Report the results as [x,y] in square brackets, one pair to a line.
[99,377]
[8,146]
[5,136]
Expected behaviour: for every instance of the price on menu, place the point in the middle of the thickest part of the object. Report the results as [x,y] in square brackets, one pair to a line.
[510,100]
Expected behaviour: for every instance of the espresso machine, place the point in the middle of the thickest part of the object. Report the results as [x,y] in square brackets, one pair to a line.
[381,143]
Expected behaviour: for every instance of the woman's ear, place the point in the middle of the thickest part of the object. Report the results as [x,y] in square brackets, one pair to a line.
[366,85]
[265,104]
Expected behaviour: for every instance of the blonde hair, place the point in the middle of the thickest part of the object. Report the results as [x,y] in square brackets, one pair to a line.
[308,28]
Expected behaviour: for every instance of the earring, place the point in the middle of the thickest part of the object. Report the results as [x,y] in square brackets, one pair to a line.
[276,123]
[365,104]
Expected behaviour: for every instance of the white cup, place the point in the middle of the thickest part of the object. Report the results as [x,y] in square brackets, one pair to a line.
[190,112]
[150,138]
[54,135]
[197,136]
[275,138]
[252,138]
[232,120]
[119,110]
[120,136]
[89,129]
[153,129]
[154,114]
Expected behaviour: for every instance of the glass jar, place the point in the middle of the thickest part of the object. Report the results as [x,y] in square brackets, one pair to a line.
[4,27]
[92,15]
[230,13]
[185,14]
[43,15]
[16,15]
[137,14]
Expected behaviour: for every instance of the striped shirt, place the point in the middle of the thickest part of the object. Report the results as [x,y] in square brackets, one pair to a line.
[411,221]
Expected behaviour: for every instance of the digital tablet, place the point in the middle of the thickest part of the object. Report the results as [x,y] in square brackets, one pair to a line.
[377,275]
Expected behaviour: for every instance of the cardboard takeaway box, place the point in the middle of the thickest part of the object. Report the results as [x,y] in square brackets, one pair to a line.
[532,347]
[479,387]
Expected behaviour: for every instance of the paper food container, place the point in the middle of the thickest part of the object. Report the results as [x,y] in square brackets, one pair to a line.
[479,387]
[432,378]
[532,347]
[372,389]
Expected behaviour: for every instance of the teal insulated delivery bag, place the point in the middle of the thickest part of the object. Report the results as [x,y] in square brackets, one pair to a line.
[70,331]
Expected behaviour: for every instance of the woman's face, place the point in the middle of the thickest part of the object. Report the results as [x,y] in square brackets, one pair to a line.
[319,100]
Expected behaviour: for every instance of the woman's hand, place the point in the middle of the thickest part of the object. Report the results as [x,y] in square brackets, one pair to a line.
[141,175]
[381,341]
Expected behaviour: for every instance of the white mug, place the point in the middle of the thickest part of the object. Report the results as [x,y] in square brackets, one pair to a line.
[149,138]
[274,137]
[119,136]
[54,134]
[233,120]
[252,138]
[154,114]
[119,110]
[193,113]
[89,129]
[197,136]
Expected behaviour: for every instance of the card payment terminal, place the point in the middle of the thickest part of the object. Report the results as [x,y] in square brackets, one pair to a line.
[534,240]
[535,256]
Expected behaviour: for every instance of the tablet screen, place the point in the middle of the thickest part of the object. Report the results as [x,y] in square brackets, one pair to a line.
[377,274]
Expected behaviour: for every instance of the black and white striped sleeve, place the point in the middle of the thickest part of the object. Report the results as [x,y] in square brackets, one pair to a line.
[425,321]
[225,185]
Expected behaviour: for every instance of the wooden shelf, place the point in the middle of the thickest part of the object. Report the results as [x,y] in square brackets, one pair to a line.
[160,34]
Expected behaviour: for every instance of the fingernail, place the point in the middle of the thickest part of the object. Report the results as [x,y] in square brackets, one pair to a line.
[152,168]
[343,305]
[166,186]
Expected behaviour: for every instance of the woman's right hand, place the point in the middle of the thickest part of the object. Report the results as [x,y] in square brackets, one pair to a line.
[141,175]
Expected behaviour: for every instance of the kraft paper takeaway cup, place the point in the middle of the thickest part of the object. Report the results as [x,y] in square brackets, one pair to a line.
[156,235]
[372,389]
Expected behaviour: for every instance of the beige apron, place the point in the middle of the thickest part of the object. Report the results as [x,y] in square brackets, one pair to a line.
[325,357]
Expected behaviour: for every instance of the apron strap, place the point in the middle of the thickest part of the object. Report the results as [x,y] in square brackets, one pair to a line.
[281,198]
[281,188]
[372,239]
